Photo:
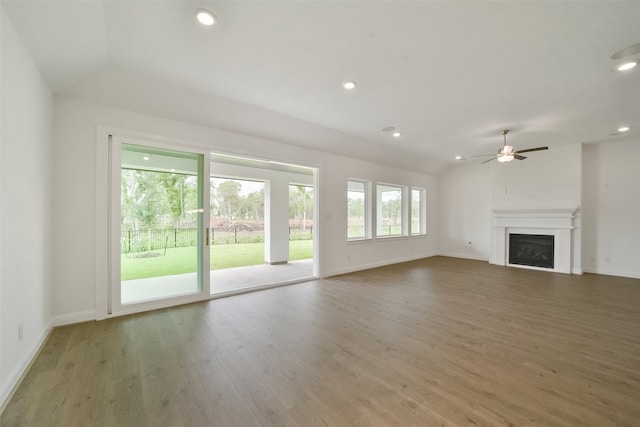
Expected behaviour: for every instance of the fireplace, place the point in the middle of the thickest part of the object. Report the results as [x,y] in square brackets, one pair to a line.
[533,250]
[547,235]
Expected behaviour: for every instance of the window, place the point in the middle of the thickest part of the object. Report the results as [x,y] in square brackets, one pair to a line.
[418,211]
[391,210]
[358,210]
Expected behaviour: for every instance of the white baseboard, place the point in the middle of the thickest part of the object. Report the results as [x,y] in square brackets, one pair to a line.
[608,272]
[463,255]
[79,317]
[360,267]
[480,258]
[15,377]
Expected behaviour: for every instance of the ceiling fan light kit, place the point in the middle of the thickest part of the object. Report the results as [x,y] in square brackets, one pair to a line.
[505,154]
[505,157]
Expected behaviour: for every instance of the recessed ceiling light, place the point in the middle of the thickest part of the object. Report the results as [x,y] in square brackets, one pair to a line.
[623,129]
[458,157]
[627,66]
[146,158]
[205,17]
[349,85]
[397,134]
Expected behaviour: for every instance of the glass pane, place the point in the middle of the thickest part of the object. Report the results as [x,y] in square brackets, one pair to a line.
[389,210]
[160,209]
[356,210]
[300,222]
[416,211]
[237,223]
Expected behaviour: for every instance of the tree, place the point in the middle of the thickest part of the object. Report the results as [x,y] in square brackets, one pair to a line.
[355,207]
[213,205]
[180,191]
[144,199]
[228,196]
[127,187]
[300,203]
[391,210]
[255,204]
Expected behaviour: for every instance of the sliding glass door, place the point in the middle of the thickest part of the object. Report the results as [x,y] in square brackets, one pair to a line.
[166,212]
[159,250]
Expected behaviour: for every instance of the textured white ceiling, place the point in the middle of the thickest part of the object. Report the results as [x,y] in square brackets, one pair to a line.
[448,75]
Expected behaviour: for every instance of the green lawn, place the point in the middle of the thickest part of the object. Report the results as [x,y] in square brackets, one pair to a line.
[183,260]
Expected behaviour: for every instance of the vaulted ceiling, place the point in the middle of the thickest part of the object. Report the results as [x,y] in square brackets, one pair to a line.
[449,76]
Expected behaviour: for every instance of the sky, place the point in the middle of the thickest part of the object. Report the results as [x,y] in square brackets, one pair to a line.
[247,187]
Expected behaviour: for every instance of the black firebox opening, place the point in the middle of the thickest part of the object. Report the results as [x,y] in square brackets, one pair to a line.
[535,250]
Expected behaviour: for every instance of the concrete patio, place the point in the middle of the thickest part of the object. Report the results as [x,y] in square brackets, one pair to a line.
[222,281]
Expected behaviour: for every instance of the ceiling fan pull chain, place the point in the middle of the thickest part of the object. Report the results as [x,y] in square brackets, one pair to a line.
[506,180]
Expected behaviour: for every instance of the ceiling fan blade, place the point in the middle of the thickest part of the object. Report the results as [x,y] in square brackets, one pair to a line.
[528,150]
[519,157]
[487,161]
[484,155]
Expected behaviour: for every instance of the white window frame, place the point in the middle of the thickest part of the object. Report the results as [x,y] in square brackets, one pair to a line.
[404,210]
[422,211]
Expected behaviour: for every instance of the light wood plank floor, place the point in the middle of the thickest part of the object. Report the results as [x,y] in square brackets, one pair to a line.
[434,342]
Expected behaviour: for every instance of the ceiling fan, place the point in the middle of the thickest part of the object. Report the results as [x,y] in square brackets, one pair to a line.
[507,153]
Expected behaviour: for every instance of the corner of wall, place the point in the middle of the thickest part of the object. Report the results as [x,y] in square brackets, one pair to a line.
[17,374]
[26,116]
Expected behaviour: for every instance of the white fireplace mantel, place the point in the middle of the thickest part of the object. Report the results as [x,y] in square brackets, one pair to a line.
[554,222]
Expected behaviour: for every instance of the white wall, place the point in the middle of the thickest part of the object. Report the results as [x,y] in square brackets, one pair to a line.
[464,211]
[546,179]
[75,183]
[25,194]
[611,195]
[469,193]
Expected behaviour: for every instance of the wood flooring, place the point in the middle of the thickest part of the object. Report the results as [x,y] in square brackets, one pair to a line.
[433,342]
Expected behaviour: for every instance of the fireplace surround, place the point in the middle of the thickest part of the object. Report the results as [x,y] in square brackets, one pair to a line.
[558,223]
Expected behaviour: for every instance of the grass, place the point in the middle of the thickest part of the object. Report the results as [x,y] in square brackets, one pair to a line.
[183,260]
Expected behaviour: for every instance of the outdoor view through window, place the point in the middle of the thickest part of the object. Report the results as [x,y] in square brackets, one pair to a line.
[159,226]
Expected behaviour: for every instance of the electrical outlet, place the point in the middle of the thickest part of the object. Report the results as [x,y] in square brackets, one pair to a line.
[607,259]
[20,332]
